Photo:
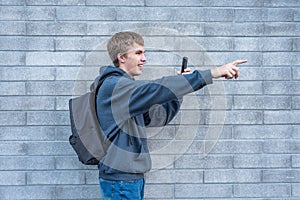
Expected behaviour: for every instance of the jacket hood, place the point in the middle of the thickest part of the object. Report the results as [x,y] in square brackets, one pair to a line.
[106,71]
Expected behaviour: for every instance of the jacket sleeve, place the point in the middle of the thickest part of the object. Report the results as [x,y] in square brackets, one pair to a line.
[137,97]
[160,115]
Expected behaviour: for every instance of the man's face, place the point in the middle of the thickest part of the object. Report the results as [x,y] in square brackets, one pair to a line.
[132,62]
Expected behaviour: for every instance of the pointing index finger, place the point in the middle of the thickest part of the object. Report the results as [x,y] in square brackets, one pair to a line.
[237,62]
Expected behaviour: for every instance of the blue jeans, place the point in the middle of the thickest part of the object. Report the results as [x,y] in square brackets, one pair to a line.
[119,190]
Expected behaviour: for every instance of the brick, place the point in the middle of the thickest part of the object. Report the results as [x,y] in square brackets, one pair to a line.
[280,176]
[27,73]
[92,177]
[12,2]
[62,103]
[41,2]
[223,132]
[12,13]
[162,133]
[175,176]
[296,44]
[27,133]
[296,190]
[280,29]
[48,118]
[262,161]
[202,190]
[177,43]
[81,43]
[280,14]
[296,102]
[144,13]
[12,88]
[278,3]
[78,192]
[208,162]
[232,176]
[159,191]
[281,146]
[296,58]
[296,132]
[40,13]
[187,117]
[296,161]
[281,58]
[96,58]
[277,44]
[221,58]
[54,58]
[56,88]
[12,28]
[296,14]
[29,13]
[174,3]
[12,58]
[55,2]
[195,132]
[82,73]
[243,117]
[28,192]
[27,103]
[249,15]
[277,73]
[55,177]
[62,133]
[71,2]
[262,190]
[47,148]
[233,147]
[247,29]
[281,87]
[16,163]
[86,13]
[71,163]
[251,73]
[296,73]
[206,102]
[56,28]
[213,43]
[282,117]
[230,3]
[237,87]
[153,28]
[247,44]
[262,131]
[12,178]
[13,148]
[26,43]
[12,118]
[115,3]
[262,102]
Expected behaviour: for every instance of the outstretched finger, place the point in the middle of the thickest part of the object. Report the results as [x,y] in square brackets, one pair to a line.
[237,62]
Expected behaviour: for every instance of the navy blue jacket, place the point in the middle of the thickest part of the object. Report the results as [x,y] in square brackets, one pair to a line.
[125,107]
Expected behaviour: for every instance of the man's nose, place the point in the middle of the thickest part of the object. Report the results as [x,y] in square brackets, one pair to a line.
[144,58]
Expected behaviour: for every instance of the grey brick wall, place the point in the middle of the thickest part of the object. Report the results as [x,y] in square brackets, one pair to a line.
[232,140]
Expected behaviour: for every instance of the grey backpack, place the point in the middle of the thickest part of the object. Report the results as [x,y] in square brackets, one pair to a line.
[87,139]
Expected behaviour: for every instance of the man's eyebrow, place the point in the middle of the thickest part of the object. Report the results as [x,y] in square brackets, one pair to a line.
[140,51]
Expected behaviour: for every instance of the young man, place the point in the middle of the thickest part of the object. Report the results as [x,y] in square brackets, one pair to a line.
[126,106]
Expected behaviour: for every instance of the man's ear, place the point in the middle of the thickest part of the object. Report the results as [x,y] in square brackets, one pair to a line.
[121,58]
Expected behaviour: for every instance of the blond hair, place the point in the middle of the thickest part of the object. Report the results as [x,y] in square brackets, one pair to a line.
[121,43]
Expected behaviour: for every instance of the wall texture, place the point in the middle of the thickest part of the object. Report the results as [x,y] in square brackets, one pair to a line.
[237,139]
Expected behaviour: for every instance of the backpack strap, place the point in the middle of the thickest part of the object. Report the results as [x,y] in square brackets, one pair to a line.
[98,82]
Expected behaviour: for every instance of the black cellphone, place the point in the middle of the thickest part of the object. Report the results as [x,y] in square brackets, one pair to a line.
[184,64]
